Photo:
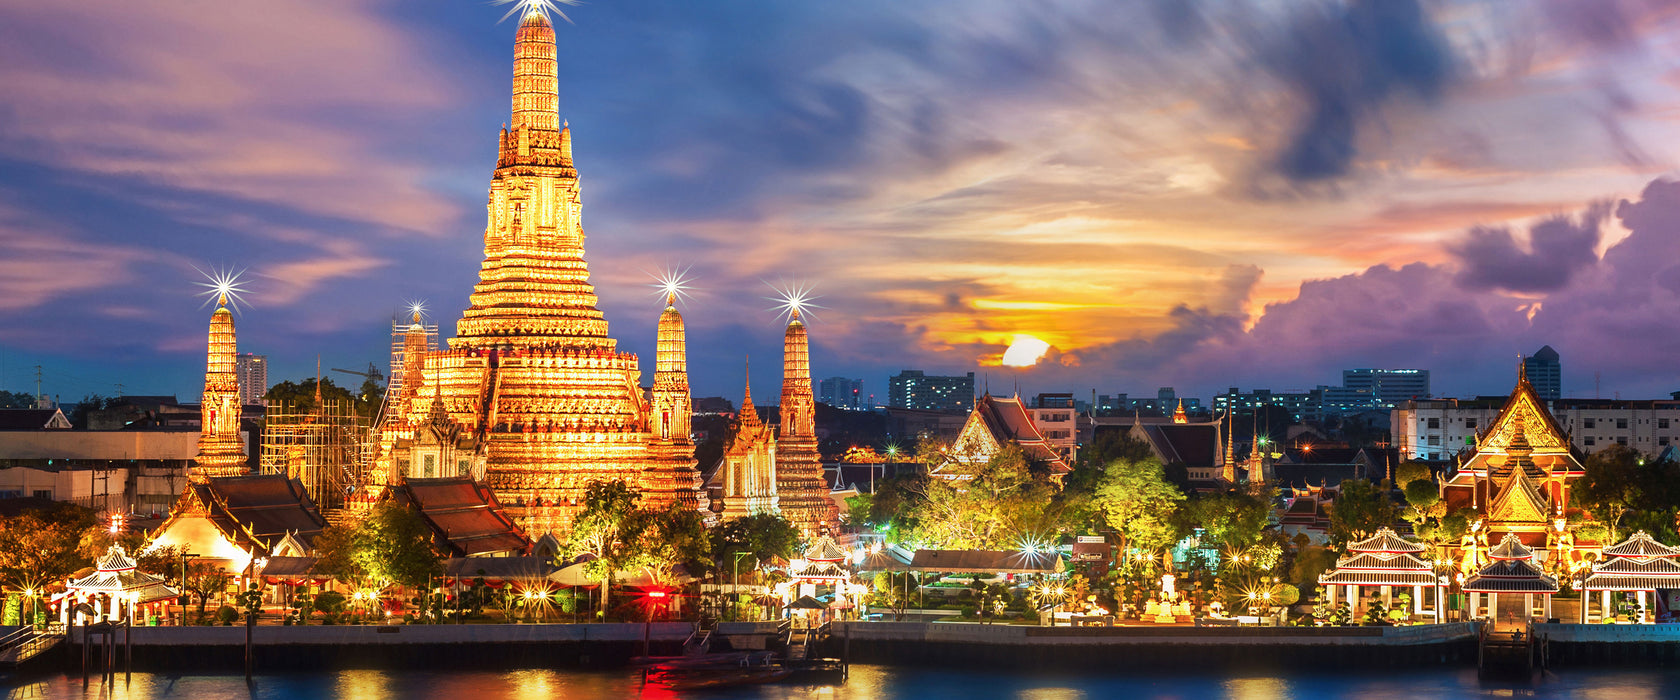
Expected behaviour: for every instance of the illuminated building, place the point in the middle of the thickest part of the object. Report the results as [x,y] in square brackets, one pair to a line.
[912,388]
[800,485]
[221,450]
[253,378]
[993,424]
[532,376]
[746,481]
[1518,483]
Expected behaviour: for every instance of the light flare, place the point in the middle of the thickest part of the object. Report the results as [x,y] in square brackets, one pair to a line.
[223,287]
[673,284]
[416,308]
[794,299]
[525,8]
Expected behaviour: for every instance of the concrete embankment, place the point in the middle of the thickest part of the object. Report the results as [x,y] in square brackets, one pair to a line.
[1142,648]
[397,646]
[1609,645]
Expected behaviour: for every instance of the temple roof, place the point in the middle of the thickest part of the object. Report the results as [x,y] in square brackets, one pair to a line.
[116,574]
[1194,445]
[824,549]
[1630,574]
[1385,541]
[1007,420]
[259,508]
[464,516]
[1520,501]
[1641,545]
[1511,548]
[289,567]
[1510,576]
[960,561]
[116,559]
[1524,435]
[886,559]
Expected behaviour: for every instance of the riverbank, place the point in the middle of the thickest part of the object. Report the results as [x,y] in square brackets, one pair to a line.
[1608,645]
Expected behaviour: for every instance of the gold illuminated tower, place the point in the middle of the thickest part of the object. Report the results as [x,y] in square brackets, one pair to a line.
[542,391]
[672,412]
[221,452]
[802,492]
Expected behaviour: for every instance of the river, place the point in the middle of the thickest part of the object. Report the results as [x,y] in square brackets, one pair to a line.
[866,683]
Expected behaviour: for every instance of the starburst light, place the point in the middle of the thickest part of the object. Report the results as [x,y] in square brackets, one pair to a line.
[673,285]
[524,8]
[417,309]
[794,300]
[223,287]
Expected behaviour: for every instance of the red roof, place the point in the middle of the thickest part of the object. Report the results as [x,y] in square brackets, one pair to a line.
[1008,420]
[464,516]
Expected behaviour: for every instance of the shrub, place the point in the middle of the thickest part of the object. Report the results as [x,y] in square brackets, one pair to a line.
[226,615]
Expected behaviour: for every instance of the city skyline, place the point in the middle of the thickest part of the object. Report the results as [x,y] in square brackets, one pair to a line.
[1144,227]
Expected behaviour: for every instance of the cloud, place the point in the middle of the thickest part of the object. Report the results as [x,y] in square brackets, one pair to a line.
[1558,247]
[1344,62]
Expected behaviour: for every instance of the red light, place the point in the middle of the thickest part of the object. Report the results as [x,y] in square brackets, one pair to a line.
[657,594]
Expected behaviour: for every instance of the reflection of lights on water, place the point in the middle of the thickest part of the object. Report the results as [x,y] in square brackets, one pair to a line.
[1051,694]
[1257,689]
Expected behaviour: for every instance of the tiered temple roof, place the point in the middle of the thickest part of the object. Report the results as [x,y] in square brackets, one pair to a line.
[1383,559]
[995,422]
[464,516]
[1511,571]
[822,562]
[117,575]
[1639,563]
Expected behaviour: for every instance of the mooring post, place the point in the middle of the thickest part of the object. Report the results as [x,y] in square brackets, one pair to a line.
[250,624]
[128,653]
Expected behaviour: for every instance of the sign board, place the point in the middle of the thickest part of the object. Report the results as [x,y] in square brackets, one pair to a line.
[1667,606]
[1091,539]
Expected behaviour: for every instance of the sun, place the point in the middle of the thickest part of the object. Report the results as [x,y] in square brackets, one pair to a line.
[1024,351]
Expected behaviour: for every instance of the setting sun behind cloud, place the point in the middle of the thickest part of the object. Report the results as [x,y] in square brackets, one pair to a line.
[1024,351]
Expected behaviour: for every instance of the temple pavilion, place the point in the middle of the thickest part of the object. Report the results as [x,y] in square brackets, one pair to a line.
[116,590]
[1638,564]
[1388,562]
[1518,483]
[1512,571]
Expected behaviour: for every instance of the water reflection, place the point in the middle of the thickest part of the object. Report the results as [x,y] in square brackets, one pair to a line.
[866,683]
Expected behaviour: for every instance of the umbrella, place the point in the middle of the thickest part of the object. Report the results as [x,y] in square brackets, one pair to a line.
[807,603]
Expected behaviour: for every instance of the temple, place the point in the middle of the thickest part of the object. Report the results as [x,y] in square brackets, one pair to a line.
[800,487]
[1518,484]
[532,393]
[745,479]
[993,424]
[221,451]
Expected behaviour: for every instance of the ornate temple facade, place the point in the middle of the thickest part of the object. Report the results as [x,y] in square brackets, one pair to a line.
[221,450]
[747,479]
[1518,483]
[532,386]
[800,486]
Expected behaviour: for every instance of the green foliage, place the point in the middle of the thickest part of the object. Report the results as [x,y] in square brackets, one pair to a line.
[1358,511]
[1625,492]
[1422,494]
[92,402]
[1135,500]
[203,581]
[334,554]
[1230,519]
[893,591]
[226,615]
[859,508]
[393,544]
[1285,595]
[41,546]
[1376,613]
[17,399]
[666,538]
[1409,472]
[607,528]
[1003,500]
[761,537]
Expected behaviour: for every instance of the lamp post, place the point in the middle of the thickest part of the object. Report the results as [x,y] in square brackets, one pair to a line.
[181,621]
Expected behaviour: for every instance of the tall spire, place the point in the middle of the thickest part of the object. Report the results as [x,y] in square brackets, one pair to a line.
[221,451]
[536,82]
[672,407]
[798,404]
[749,412]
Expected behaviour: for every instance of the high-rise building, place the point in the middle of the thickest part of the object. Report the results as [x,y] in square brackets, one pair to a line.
[544,396]
[841,392]
[1388,386]
[1545,373]
[913,389]
[253,378]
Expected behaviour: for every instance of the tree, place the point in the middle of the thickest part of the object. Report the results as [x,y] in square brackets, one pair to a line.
[41,546]
[301,395]
[1310,562]
[894,591]
[1230,519]
[18,399]
[1135,499]
[987,505]
[334,550]
[92,402]
[762,536]
[1619,485]
[1359,510]
[393,544]
[607,528]
[204,580]
[1409,472]
[676,535]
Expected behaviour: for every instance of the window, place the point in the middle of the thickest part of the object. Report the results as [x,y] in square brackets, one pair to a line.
[1621,441]
[45,495]
[1662,441]
[11,494]
[431,466]
[464,466]
[1434,424]
[1434,440]
[1589,422]
[1662,423]
[1470,423]
[1591,441]
[1621,424]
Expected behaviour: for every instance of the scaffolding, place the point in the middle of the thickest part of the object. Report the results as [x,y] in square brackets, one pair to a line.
[322,446]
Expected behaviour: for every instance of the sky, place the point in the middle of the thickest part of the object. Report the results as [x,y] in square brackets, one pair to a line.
[1164,192]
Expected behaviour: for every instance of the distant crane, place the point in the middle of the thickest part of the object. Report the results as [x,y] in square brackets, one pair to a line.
[371,373]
